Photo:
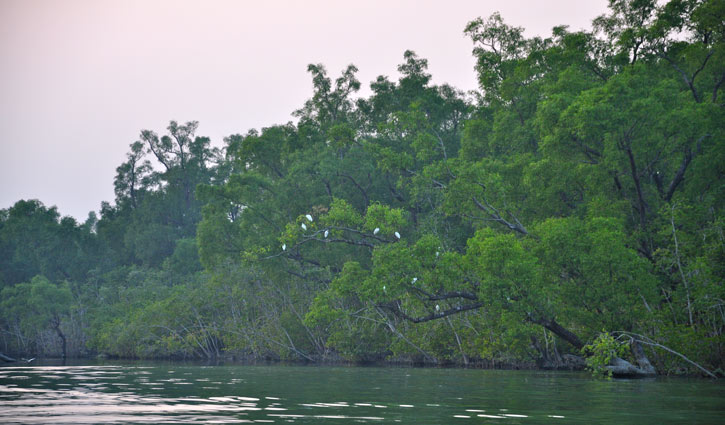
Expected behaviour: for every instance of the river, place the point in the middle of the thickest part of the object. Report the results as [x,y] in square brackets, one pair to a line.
[145,392]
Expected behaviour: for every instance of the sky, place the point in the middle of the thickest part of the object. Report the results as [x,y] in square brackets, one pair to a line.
[79,79]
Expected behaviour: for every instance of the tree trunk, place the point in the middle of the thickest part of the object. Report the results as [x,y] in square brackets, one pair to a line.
[622,369]
[559,331]
[62,340]
[5,358]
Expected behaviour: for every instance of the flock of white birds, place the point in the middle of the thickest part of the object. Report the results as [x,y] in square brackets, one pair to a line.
[375,232]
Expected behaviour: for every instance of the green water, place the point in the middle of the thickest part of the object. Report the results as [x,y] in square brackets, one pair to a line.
[187,393]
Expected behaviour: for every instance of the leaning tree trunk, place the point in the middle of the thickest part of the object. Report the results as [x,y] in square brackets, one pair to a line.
[560,331]
[618,366]
[5,358]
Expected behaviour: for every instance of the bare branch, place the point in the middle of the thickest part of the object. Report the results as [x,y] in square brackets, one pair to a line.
[445,155]
[680,175]
[398,311]
[314,237]
[679,263]
[647,341]
[496,216]
[395,331]
[453,294]
[689,81]
[360,188]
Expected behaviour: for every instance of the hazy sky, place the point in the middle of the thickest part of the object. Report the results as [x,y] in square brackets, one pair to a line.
[79,79]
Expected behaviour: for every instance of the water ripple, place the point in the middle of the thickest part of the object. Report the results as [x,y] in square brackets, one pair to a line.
[245,394]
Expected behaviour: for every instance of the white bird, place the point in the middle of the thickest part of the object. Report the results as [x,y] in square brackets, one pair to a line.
[303,226]
[326,233]
[309,217]
[437,253]
[397,235]
[284,247]
[375,232]
[438,308]
[384,290]
[30,360]
[414,280]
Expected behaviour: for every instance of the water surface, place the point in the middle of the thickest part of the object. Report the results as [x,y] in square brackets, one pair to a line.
[189,393]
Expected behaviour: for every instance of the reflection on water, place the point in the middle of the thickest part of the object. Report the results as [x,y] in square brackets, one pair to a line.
[182,393]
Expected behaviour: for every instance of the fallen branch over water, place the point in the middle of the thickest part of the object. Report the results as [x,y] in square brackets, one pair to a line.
[647,341]
[621,367]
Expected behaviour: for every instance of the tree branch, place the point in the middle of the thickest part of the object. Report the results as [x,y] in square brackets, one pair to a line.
[557,329]
[717,87]
[680,175]
[496,216]
[647,341]
[396,309]
[689,81]
[360,188]
[640,195]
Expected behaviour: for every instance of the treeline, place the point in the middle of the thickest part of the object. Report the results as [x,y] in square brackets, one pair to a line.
[570,206]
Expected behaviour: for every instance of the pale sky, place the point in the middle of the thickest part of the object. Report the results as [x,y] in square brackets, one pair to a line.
[79,79]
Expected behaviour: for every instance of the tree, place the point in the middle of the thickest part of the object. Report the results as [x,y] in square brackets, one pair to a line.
[36,306]
[36,240]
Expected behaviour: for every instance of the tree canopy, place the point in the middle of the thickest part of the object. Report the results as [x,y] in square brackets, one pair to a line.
[577,194]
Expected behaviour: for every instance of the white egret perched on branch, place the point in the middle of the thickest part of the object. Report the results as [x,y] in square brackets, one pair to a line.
[303,226]
[397,235]
[375,232]
[415,279]
[309,217]
[326,233]
[284,247]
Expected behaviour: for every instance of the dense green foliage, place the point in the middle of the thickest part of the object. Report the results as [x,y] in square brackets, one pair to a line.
[580,191]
